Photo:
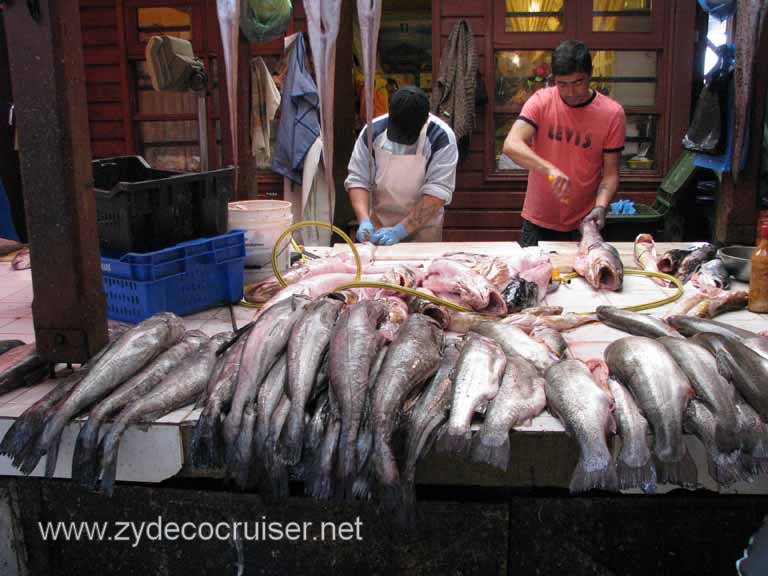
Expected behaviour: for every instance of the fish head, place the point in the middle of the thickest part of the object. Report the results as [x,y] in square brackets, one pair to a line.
[604,270]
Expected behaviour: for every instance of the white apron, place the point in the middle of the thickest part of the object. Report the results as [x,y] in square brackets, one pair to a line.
[399,179]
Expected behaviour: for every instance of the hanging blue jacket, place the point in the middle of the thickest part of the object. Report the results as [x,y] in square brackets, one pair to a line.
[299,116]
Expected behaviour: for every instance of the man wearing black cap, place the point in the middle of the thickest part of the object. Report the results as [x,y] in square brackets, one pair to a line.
[402,196]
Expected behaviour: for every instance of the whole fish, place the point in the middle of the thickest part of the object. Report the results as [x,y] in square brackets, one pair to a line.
[306,346]
[712,274]
[690,326]
[266,342]
[586,411]
[21,366]
[476,379]
[747,369]
[429,413]
[662,392]
[696,258]
[448,277]
[6,345]
[559,322]
[635,323]
[726,302]
[84,455]
[354,345]
[271,394]
[22,260]
[634,465]
[515,342]
[670,261]
[520,399]
[552,339]
[274,484]
[206,449]
[180,387]
[597,261]
[411,359]
[646,258]
[713,417]
[243,450]
[127,356]
[319,483]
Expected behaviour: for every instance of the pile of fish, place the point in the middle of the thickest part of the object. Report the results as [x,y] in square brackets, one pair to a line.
[144,373]
[488,285]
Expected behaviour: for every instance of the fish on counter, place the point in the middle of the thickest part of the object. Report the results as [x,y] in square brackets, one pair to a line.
[725,302]
[670,261]
[552,339]
[646,258]
[692,325]
[476,378]
[411,360]
[634,465]
[691,262]
[597,261]
[520,293]
[586,411]
[712,274]
[519,400]
[20,366]
[271,394]
[179,387]
[635,323]
[446,277]
[495,269]
[662,392]
[515,342]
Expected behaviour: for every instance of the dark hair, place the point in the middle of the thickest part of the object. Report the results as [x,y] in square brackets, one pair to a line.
[571,57]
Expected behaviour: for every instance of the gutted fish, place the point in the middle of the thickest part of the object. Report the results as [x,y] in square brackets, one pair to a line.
[645,256]
[635,323]
[597,261]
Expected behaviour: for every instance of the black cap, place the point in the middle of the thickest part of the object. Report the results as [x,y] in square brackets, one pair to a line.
[408,111]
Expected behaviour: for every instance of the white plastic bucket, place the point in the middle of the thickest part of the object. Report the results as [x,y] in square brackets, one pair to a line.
[263,221]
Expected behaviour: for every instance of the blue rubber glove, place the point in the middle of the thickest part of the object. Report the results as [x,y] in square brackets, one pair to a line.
[364,231]
[389,236]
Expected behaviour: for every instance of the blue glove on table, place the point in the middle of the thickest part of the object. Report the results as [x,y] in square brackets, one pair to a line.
[364,231]
[389,236]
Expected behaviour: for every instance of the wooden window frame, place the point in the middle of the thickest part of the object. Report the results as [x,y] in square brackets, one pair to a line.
[577,24]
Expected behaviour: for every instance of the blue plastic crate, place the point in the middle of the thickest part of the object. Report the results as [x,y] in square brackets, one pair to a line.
[187,278]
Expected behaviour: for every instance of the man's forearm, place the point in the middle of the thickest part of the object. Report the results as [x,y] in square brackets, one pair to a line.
[524,156]
[607,190]
[358,197]
[422,214]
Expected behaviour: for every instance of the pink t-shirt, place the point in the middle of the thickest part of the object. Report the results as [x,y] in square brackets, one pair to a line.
[573,138]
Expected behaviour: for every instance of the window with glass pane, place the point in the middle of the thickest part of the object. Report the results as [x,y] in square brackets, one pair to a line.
[629,77]
[621,16]
[165,21]
[171,145]
[519,74]
[153,102]
[640,146]
[534,16]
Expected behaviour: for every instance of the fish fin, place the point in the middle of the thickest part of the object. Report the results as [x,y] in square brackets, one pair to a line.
[643,477]
[320,486]
[491,447]
[751,467]
[361,487]
[601,478]
[675,472]
[291,438]
[455,441]
[84,468]
[27,460]
[206,449]
[24,431]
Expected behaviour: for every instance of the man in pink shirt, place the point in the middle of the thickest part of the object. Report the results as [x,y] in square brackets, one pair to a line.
[570,139]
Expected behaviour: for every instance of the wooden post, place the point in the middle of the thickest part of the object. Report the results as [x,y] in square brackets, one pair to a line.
[343,115]
[46,62]
[736,213]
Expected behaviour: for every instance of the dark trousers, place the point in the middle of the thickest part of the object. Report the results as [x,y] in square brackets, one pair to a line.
[532,234]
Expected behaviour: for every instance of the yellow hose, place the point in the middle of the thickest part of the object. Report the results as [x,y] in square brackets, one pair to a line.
[409,291]
[632,272]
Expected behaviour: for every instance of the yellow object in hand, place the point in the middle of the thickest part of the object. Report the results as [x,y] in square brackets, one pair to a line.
[551,179]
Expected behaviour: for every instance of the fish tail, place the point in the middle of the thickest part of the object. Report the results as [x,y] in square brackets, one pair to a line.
[207,445]
[643,476]
[725,468]
[52,457]
[24,431]
[391,498]
[83,457]
[491,447]
[347,469]
[602,478]
[107,458]
[675,472]
[292,436]
[361,487]
[278,482]
[751,466]
[455,441]
[320,485]
[28,459]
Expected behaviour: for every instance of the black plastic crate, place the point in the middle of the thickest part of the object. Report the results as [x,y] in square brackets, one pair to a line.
[141,209]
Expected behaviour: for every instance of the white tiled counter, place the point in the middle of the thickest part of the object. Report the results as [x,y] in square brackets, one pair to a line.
[542,454]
